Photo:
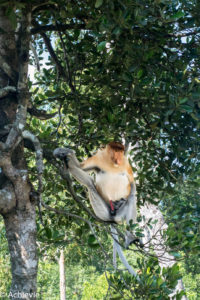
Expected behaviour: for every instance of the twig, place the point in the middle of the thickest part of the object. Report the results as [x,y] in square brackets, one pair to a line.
[54,57]
[37,62]
[62,212]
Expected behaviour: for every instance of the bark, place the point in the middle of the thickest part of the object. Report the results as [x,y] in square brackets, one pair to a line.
[62,276]
[16,205]
[21,235]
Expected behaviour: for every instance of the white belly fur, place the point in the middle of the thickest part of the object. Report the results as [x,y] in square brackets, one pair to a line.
[112,186]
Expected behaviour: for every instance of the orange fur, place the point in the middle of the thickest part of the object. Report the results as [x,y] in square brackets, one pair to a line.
[114,182]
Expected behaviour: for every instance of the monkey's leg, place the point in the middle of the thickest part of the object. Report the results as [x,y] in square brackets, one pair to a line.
[131,215]
[132,209]
[98,204]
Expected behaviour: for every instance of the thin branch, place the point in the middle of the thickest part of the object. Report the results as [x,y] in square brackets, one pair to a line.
[5,67]
[40,114]
[60,120]
[62,212]
[39,5]
[184,34]
[54,57]
[7,90]
[67,62]
[37,62]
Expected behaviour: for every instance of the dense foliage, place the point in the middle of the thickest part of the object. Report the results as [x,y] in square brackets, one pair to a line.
[118,70]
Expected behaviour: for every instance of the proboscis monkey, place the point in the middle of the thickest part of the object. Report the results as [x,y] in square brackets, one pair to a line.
[112,195]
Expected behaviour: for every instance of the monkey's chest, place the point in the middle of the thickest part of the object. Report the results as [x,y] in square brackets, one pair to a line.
[113,186]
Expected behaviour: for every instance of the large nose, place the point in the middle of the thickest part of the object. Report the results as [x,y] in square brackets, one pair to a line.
[118,160]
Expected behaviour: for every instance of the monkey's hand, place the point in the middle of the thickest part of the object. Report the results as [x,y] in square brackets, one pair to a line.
[67,155]
[62,153]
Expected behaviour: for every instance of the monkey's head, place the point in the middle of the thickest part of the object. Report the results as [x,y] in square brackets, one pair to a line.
[116,151]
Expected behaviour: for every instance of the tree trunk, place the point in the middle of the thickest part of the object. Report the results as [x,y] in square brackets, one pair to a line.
[16,206]
[62,276]
[21,235]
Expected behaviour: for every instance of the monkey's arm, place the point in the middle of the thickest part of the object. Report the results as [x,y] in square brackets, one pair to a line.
[130,174]
[98,204]
[90,164]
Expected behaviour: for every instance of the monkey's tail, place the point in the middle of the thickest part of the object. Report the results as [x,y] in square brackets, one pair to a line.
[117,246]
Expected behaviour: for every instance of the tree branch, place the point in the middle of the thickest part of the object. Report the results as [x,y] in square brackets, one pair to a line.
[54,57]
[67,62]
[40,114]
[7,69]
[61,212]
[37,62]
[6,91]
[22,87]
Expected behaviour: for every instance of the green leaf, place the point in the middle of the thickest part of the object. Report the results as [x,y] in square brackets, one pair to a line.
[178,15]
[98,3]
[127,77]
[183,100]
[117,30]
[187,108]
[101,46]
[91,239]
[140,73]
[48,232]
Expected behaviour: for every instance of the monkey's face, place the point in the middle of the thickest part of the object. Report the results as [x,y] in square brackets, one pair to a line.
[117,157]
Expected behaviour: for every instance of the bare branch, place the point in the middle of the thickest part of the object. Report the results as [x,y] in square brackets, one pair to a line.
[37,62]
[7,69]
[184,34]
[60,120]
[67,62]
[7,90]
[40,114]
[54,57]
